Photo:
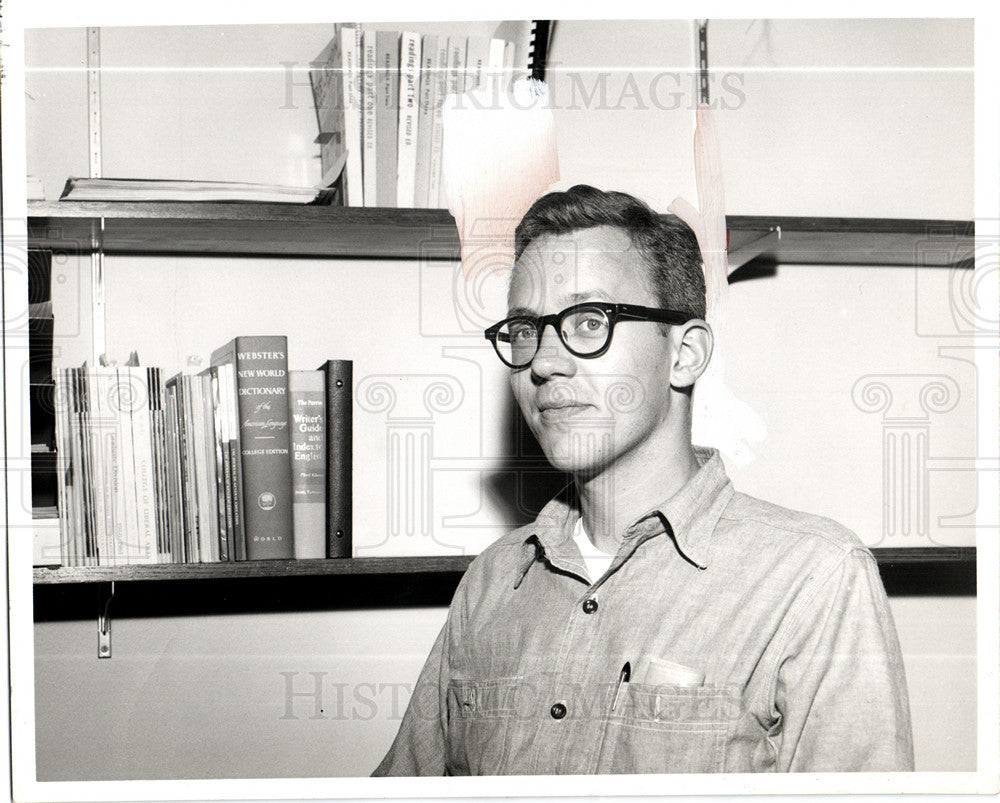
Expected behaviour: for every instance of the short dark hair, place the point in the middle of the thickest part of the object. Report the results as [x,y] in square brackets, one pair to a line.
[666,243]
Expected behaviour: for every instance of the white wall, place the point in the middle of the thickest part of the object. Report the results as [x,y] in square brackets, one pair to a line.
[207,698]
[805,138]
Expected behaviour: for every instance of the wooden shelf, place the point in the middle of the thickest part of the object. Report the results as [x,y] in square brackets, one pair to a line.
[234,229]
[397,583]
[915,555]
[850,241]
[44,575]
[288,230]
[927,557]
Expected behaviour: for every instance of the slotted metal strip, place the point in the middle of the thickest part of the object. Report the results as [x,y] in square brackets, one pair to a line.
[94,150]
[703,95]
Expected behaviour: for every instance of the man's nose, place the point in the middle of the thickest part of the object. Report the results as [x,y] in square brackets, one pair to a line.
[552,358]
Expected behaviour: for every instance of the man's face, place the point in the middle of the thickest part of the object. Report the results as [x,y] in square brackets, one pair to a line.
[588,414]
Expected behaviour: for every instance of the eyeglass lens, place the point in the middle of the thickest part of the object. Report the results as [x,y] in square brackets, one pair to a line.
[584,331]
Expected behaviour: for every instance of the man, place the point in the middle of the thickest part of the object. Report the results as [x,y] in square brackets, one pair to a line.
[654,620]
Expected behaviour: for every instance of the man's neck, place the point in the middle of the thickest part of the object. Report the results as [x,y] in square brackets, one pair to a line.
[615,498]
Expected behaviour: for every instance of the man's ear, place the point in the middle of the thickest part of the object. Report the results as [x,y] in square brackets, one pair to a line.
[694,343]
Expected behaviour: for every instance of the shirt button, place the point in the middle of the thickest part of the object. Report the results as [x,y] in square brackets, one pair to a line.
[558,711]
[590,606]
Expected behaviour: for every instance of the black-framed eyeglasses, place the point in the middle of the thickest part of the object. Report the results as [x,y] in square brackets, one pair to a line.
[584,329]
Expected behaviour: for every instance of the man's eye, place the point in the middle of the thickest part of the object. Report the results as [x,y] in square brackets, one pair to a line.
[519,332]
[590,323]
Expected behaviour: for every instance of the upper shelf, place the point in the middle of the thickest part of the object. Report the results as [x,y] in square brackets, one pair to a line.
[287,230]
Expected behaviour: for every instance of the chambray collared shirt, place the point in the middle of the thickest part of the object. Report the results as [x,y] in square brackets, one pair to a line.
[757,639]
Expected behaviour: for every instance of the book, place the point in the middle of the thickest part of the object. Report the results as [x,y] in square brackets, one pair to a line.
[175,503]
[369,80]
[143,534]
[194,537]
[339,460]
[425,117]
[386,115]
[328,100]
[234,465]
[195,423]
[69,466]
[439,88]
[186,547]
[62,412]
[350,44]
[407,146]
[307,418]
[93,502]
[477,56]
[260,365]
[223,497]
[93,476]
[455,86]
[147,189]
[157,415]
[101,431]
[206,486]
[125,402]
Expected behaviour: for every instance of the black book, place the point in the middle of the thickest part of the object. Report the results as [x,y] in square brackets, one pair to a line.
[339,423]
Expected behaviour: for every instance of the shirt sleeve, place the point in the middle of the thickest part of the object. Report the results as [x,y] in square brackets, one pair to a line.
[420,746]
[841,690]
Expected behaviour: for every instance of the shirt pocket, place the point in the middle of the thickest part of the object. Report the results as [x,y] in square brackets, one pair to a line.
[668,728]
[480,718]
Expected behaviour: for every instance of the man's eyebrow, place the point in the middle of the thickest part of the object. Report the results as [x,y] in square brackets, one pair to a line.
[569,301]
[588,295]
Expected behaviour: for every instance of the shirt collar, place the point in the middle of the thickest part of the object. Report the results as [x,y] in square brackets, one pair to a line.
[690,515]
[694,511]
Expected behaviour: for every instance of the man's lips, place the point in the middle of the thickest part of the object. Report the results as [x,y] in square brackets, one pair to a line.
[561,411]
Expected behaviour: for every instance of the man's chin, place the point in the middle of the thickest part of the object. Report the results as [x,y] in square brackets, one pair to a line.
[580,454]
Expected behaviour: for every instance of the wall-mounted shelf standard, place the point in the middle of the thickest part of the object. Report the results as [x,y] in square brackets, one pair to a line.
[288,230]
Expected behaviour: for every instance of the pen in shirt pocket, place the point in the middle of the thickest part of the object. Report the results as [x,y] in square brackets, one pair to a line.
[623,678]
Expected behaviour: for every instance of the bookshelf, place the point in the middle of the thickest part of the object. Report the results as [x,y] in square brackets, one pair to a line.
[290,231]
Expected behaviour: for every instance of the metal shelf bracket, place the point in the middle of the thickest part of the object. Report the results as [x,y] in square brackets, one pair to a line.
[105,593]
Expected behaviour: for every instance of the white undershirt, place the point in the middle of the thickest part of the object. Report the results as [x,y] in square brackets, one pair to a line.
[597,562]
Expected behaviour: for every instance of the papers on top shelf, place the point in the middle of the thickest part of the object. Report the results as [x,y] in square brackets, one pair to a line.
[141,189]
